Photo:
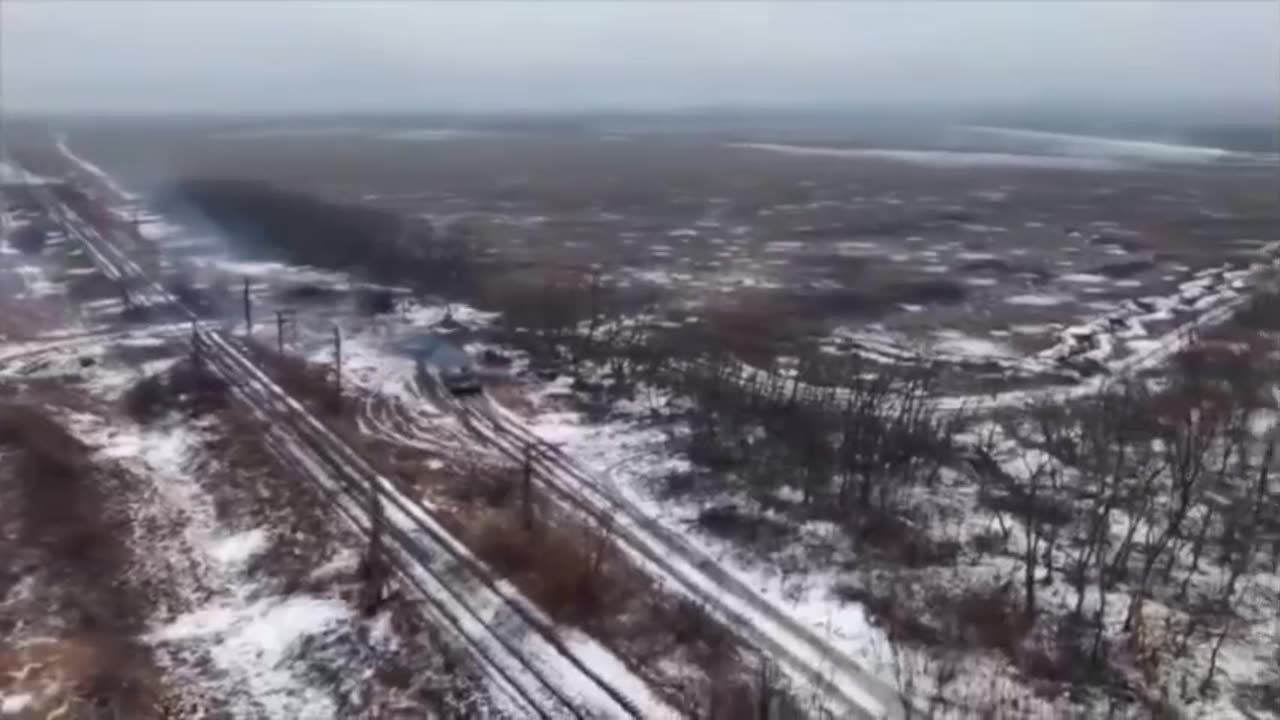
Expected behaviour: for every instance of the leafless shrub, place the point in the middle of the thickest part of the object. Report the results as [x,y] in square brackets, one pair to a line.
[849,456]
[567,573]
[311,382]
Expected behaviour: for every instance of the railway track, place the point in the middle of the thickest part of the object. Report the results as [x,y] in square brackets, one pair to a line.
[847,690]
[850,691]
[515,645]
[801,650]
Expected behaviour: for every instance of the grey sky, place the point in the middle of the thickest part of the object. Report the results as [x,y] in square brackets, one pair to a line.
[293,55]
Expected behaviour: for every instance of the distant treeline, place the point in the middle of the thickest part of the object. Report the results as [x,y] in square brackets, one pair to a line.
[261,220]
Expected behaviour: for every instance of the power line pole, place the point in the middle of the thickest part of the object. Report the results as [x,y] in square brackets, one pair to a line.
[526,488]
[373,568]
[248,310]
[286,317]
[337,366]
[195,345]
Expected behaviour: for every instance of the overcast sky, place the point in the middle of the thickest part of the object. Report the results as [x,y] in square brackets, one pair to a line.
[294,55]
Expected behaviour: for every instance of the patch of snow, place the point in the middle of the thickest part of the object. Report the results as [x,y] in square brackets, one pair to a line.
[280,131]
[434,134]
[1037,300]
[856,245]
[164,452]
[1262,422]
[14,704]
[419,315]
[1084,278]
[94,170]
[1031,329]
[11,174]
[777,246]
[957,343]
[237,550]
[620,676]
[258,642]
[279,271]
[345,561]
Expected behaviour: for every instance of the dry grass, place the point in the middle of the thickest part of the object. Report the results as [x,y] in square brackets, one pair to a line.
[85,677]
[45,446]
[573,574]
[95,286]
[310,382]
[187,387]
[577,575]
[69,535]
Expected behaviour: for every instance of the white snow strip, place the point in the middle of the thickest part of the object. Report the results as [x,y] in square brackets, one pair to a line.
[607,665]
[14,704]
[1037,300]
[1094,146]
[13,174]
[93,170]
[1084,278]
[942,158]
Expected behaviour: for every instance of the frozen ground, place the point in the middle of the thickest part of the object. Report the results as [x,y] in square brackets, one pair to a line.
[249,610]
[1083,262]
[810,571]
[911,239]
[240,596]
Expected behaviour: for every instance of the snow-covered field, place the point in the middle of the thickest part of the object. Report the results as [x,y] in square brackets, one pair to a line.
[1067,310]
[251,612]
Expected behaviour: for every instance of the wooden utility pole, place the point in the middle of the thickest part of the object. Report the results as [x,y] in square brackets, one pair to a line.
[283,317]
[373,568]
[766,695]
[195,345]
[248,310]
[526,489]
[337,366]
